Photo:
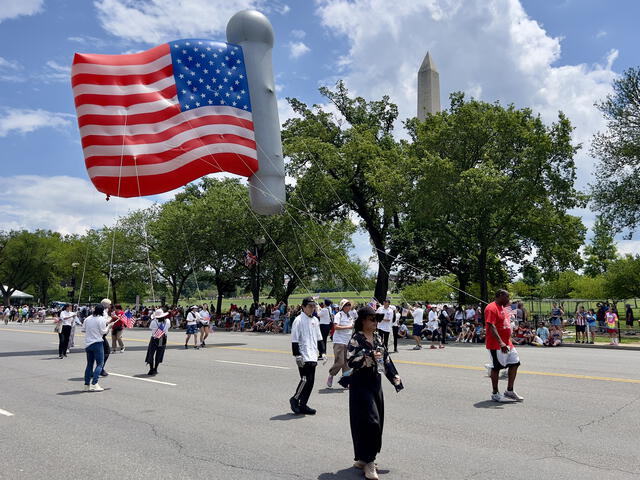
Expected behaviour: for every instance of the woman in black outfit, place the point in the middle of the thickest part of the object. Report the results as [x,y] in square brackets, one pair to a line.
[368,358]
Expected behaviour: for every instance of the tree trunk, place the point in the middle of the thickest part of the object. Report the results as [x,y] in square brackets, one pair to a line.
[483,275]
[113,289]
[463,282]
[6,298]
[291,286]
[382,279]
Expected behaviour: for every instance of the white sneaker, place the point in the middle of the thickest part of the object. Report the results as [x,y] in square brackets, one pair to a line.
[96,388]
[329,381]
[370,472]
[498,397]
[85,388]
[513,395]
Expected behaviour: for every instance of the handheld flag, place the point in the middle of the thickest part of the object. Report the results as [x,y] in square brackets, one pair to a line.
[159,331]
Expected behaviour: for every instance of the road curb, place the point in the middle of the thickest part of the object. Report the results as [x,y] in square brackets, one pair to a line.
[606,347]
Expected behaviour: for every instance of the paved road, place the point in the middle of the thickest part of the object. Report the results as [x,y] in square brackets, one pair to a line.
[222,413]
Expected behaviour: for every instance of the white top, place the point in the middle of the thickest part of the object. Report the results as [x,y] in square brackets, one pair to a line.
[205,317]
[325,316]
[192,318]
[306,332]
[94,328]
[385,324]
[459,315]
[432,324]
[418,316]
[343,337]
[471,314]
[66,318]
[156,323]
[433,315]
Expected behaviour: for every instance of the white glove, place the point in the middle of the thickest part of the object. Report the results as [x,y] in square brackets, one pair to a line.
[300,361]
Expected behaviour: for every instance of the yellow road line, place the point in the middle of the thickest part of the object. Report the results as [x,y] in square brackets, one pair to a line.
[404,362]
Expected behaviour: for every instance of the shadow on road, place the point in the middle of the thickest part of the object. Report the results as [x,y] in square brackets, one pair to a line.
[492,405]
[287,416]
[324,391]
[347,473]
[78,392]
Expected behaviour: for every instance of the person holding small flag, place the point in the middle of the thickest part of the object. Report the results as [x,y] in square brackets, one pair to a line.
[158,342]
[117,329]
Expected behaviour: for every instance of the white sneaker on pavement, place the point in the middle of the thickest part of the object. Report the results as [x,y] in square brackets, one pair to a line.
[498,397]
[85,388]
[96,388]
[513,395]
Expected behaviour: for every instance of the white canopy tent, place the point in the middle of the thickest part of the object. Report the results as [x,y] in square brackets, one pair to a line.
[18,295]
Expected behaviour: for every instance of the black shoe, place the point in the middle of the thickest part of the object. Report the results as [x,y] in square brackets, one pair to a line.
[295,408]
[186,346]
[150,372]
[60,357]
[196,347]
[104,373]
[304,409]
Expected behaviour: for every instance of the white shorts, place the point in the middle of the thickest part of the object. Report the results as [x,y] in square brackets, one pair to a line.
[501,360]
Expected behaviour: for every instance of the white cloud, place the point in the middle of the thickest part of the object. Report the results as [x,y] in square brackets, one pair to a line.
[601,34]
[9,70]
[299,34]
[9,65]
[15,8]
[156,21]
[55,72]
[297,49]
[18,120]
[491,50]
[64,204]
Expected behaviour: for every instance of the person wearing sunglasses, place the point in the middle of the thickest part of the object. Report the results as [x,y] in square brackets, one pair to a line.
[369,359]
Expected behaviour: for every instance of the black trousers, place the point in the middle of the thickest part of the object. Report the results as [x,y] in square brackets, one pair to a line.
[64,336]
[324,331]
[305,386]
[155,352]
[385,338]
[395,338]
[107,350]
[444,326]
[366,414]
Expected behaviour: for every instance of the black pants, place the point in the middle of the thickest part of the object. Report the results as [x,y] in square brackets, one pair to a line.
[445,327]
[107,350]
[395,338]
[324,331]
[366,414]
[307,377]
[385,338]
[64,335]
[155,351]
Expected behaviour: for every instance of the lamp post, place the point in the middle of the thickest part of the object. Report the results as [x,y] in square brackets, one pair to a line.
[259,241]
[75,266]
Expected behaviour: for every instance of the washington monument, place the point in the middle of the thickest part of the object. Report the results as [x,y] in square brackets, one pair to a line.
[428,88]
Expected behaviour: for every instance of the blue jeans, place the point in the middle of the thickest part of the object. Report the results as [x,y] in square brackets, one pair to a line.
[287,326]
[95,353]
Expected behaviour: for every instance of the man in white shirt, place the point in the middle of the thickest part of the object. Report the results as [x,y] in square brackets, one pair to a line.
[418,324]
[433,325]
[324,318]
[341,337]
[384,326]
[307,347]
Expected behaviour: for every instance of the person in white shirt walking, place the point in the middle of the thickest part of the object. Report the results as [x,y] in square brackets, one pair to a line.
[324,318]
[192,327]
[343,324]
[159,327]
[205,325]
[307,347]
[417,313]
[95,327]
[433,326]
[387,312]
[66,322]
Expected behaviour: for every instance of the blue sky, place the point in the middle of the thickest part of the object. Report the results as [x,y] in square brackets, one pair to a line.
[548,55]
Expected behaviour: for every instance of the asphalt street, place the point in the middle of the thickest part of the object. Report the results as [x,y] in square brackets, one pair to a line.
[223,413]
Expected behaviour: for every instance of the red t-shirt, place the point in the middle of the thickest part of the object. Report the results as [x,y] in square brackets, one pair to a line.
[496,315]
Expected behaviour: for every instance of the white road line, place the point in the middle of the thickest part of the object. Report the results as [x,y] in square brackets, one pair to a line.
[253,364]
[142,379]
[5,413]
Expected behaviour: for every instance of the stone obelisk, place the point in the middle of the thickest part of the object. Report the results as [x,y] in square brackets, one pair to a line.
[428,88]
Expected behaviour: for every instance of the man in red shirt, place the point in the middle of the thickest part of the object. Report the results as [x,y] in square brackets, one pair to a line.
[501,350]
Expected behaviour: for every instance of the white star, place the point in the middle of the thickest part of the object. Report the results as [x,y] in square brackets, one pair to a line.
[213,80]
[238,97]
[208,87]
[227,94]
[187,43]
[202,55]
[208,49]
[242,92]
[225,80]
[221,102]
[215,94]
[184,51]
[189,58]
[217,70]
[219,87]
[181,75]
[175,45]
[210,62]
[202,95]
[220,50]
[210,101]
[195,89]
[192,73]
[238,61]
[195,49]
[231,88]
[197,104]
[215,55]
[227,57]
[233,103]
[186,68]
[245,107]
[197,65]
[233,52]
[240,76]
[188,82]
[200,80]
[186,106]
[237,82]
[233,68]
[192,97]
[205,71]
[179,61]
[184,91]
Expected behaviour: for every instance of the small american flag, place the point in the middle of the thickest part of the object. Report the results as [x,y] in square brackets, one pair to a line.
[127,319]
[250,259]
[159,331]
[156,120]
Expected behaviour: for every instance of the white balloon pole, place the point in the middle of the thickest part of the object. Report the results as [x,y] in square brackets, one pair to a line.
[253,32]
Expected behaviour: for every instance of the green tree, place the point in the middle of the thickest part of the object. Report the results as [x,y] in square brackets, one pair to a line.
[602,250]
[438,290]
[496,182]
[351,162]
[560,287]
[622,279]
[586,287]
[616,192]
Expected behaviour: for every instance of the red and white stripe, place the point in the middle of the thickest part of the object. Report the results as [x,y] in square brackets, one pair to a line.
[135,139]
